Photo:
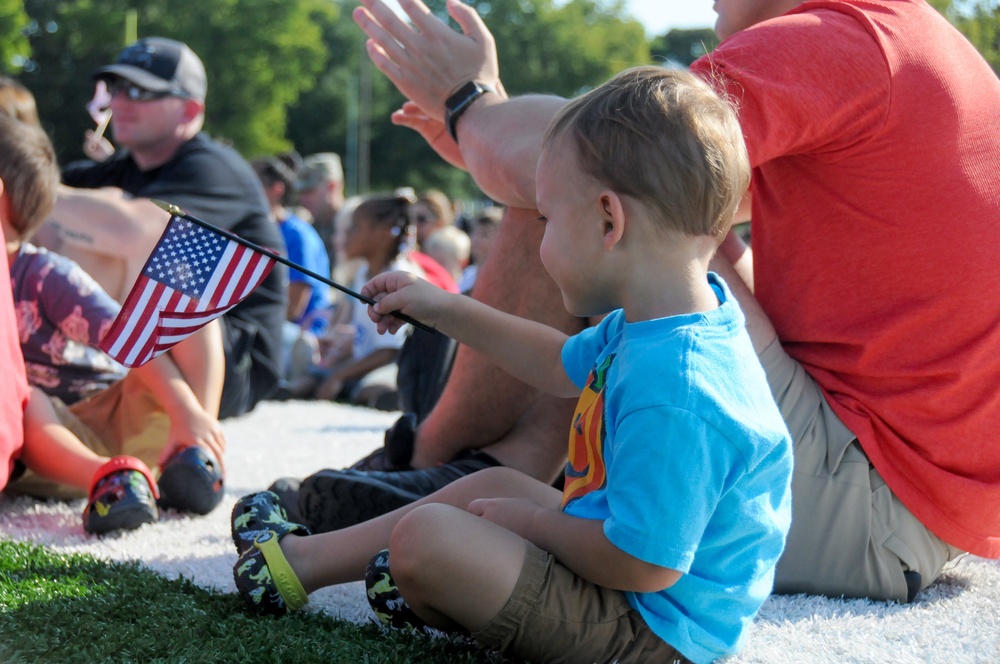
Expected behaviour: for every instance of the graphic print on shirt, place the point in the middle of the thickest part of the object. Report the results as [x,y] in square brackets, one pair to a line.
[585,470]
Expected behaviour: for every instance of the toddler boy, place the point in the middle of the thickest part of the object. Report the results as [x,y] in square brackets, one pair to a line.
[663,543]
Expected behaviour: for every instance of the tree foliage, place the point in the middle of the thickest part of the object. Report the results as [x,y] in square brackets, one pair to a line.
[294,73]
[683,46]
[259,56]
[542,48]
[980,22]
[14,47]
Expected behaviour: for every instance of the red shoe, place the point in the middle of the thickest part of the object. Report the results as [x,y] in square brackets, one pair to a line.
[123,496]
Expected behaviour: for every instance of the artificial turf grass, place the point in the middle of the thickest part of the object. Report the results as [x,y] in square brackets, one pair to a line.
[74,608]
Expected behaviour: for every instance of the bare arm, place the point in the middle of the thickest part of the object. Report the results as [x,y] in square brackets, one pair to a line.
[105,221]
[352,368]
[526,349]
[500,139]
[299,293]
[759,326]
[579,544]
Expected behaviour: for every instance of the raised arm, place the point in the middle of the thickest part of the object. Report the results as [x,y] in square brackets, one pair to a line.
[499,138]
[527,350]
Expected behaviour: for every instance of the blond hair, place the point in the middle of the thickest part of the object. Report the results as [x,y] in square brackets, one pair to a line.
[666,139]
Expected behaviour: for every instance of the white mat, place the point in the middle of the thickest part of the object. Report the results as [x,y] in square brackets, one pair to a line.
[953,621]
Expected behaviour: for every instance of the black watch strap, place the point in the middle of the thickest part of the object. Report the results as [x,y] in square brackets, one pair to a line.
[460,102]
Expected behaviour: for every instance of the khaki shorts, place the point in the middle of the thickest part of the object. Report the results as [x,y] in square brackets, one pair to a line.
[110,424]
[850,535]
[593,624]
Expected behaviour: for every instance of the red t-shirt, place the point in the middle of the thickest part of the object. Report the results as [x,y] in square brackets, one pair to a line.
[434,271]
[13,384]
[874,132]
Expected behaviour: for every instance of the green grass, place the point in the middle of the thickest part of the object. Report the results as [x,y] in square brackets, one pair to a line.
[76,608]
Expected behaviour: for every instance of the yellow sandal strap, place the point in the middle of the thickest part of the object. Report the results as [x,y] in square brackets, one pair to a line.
[284,578]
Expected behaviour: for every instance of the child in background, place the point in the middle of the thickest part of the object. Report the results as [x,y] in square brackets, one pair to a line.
[122,488]
[450,246]
[149,417]
[431,212]
[663,544]
[359,365]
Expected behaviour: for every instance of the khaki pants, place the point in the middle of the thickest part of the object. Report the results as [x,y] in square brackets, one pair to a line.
[850,535]
[123,419]
[555,616]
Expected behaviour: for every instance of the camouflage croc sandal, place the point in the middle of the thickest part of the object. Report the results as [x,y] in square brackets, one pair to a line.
[265,580]
[389,606]
[259,513]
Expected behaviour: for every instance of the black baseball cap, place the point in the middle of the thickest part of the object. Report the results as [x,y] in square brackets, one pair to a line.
[161,65]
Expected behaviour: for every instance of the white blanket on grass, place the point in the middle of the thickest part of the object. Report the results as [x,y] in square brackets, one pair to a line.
[953,621]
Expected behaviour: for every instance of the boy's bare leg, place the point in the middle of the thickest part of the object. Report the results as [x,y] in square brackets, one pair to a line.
[342,555]
[481,404]
[453,568]
[52,451]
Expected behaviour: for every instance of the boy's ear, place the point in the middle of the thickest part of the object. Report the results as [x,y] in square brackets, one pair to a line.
[613,217]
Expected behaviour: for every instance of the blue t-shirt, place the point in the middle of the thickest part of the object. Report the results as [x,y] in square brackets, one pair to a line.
[678,446]
[305,248]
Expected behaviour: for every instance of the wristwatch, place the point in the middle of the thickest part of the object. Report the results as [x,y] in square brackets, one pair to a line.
[460,102]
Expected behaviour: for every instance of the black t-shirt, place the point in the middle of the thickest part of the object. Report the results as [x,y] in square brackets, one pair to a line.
[215,184]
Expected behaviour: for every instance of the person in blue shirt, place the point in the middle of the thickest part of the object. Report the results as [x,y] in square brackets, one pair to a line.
[306,295]
[663,543]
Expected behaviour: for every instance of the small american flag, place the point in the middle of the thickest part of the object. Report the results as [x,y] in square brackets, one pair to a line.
[193,276]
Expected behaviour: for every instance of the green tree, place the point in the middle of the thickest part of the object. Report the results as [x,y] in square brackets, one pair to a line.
[980,23]
[14,47]
[683,46]
[259,55]
[565,49]
[542,48]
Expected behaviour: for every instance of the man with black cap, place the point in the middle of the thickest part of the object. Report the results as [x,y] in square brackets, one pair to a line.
[104,218]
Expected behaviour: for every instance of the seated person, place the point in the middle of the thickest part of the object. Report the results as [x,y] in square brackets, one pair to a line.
[308,297]
[151,413]
[106,221]
[677,500]
[450,246]
[356,364]
[121,489]
[431,212]
[483,229]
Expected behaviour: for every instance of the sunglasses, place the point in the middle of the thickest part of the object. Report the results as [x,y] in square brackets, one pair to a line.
[135,92]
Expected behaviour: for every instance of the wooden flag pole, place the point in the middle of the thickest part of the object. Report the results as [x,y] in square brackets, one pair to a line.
[177,212]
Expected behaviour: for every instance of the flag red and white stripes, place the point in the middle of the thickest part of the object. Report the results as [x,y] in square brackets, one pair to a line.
[193,276]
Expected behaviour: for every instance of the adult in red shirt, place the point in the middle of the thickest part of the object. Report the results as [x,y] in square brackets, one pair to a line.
[875,141]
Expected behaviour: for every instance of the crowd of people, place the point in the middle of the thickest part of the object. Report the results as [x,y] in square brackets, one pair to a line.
[813,414]
[136,441]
